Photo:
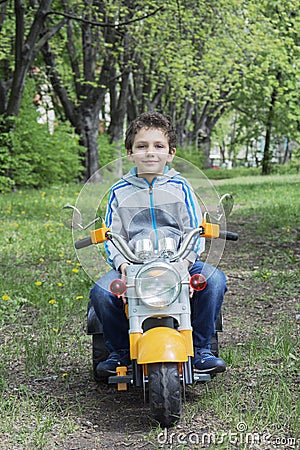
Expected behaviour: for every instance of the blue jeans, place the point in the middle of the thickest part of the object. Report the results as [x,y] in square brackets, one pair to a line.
[205,307]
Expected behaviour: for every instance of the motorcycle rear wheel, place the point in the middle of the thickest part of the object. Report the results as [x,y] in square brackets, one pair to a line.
[99,352]
[164,393]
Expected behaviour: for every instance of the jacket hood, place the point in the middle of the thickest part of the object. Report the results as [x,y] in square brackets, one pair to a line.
[133,179]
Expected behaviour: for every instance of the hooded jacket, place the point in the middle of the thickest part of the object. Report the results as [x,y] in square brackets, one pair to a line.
[165,208]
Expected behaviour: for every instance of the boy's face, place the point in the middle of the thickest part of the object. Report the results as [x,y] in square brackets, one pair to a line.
[151,152]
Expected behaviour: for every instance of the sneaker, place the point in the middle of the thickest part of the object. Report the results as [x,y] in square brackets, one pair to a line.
[206,362]
[109,367]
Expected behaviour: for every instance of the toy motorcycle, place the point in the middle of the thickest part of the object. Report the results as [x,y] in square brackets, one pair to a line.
[158,309]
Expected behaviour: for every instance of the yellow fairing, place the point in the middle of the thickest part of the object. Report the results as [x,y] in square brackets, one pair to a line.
[161,344]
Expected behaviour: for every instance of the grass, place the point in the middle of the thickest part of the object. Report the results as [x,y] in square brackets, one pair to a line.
[43,299]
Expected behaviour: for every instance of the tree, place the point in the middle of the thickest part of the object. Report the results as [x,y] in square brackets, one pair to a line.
[268,101]
[26,43]
[195,60]
[99,63]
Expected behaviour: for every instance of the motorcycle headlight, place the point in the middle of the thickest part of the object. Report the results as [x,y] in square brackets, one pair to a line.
[158,284]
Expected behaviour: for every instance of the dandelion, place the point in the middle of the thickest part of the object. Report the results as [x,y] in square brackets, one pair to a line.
[55,330]
[59,284]
[78,264]
[266,275]
[61,255]
[75,270]
[5,297]
[52,301]
[38,283]
[79,297]
[65,376]
[42,260]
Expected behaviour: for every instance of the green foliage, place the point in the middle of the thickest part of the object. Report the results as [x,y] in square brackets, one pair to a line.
[191,155]
[31,156]
[195,60]
[106,151]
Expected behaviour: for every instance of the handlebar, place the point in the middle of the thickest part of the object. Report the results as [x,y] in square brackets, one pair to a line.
[131,257]
[83,243]
[228,235]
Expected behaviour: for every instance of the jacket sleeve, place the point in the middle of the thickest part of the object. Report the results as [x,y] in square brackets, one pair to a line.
[192,219]
[113,221]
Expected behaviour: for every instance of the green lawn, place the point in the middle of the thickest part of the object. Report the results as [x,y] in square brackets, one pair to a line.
[43,299]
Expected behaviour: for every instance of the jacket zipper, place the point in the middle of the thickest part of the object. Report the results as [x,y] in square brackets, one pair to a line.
[152,213]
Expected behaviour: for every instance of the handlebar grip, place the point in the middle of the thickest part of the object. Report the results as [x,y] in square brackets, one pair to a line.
[83,243]
[228,235]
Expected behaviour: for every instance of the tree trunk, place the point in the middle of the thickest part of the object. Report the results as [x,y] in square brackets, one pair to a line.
[266,163]
[205,145]
[204,126]
[25,52]
[287,153]
[90,136]
[85,117]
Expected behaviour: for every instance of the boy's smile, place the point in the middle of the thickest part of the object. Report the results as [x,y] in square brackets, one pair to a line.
[151,152]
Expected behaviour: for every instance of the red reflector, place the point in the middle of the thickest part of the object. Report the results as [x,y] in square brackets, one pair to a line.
[198,282]
[117,287]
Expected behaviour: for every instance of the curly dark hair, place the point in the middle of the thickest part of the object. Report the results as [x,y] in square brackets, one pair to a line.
[151,120]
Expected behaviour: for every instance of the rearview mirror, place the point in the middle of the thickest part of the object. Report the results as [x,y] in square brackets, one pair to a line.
[76,223]
[225,206]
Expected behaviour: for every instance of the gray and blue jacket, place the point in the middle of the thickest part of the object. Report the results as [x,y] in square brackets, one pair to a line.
[137,210]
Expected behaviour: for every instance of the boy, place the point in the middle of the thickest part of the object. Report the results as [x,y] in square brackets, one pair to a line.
[146,202]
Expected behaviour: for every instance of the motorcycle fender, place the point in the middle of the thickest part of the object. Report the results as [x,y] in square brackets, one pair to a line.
[161,344]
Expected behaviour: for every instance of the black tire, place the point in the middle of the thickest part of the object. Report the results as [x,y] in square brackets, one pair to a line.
[164,393]
[100,352]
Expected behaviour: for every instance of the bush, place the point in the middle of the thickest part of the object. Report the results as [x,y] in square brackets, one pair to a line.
[191,155]
[31,156]
[107,152]
[220,174]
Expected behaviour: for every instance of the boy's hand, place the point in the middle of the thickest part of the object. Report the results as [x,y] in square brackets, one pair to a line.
[122,269]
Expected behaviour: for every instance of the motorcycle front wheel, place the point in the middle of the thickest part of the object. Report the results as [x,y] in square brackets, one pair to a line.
[164,392]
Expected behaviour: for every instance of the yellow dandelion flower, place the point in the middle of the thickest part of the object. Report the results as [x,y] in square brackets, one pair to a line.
[5,297]
[59,284]
[52,301]
[78,264]
[42,260]
[65,375]
[75,270]
[38,283]
[61,255]
[55,330]
[79,297]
